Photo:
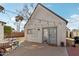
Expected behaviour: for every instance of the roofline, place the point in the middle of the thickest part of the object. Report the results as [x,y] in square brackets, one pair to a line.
[54,13]
[3,22]
[48,10]
[31,14]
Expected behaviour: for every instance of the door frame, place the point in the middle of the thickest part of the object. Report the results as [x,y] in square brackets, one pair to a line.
[48,34]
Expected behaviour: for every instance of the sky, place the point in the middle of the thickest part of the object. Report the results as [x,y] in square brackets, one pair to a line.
[69,11]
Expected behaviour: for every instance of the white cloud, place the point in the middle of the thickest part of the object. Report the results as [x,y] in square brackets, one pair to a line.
[1,4]
[11,22]
[74,18]
[13,18]
[73,21]
[75,15]
[23,22]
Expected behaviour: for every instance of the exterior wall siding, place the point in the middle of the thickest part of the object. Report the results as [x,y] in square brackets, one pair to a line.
[42,18]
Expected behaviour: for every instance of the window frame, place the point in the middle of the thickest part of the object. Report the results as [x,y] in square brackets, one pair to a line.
[29,31]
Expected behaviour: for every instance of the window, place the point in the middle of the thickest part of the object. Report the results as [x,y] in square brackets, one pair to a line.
[29,31]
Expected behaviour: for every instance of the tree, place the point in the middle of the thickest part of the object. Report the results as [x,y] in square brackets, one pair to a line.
[24,14]
[27,10]
[7,31]
[18,20]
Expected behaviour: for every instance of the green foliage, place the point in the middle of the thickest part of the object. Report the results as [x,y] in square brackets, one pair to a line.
[7,29]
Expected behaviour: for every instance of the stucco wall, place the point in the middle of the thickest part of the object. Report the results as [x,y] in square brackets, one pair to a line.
[42,18]
[1,31]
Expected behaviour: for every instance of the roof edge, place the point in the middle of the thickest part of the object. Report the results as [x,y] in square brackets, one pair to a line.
[31,14]
[3,22]
[48,10]
[53,12]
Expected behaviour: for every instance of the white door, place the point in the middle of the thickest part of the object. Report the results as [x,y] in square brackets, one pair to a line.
[45,35]
[49,34]
[52,35]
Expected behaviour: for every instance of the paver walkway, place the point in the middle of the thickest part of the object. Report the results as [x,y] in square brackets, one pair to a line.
[35,49]
[73,51]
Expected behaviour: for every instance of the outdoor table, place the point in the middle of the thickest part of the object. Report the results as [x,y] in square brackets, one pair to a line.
[4,44]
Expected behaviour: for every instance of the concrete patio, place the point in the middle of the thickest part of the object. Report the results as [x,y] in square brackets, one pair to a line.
[36,49]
